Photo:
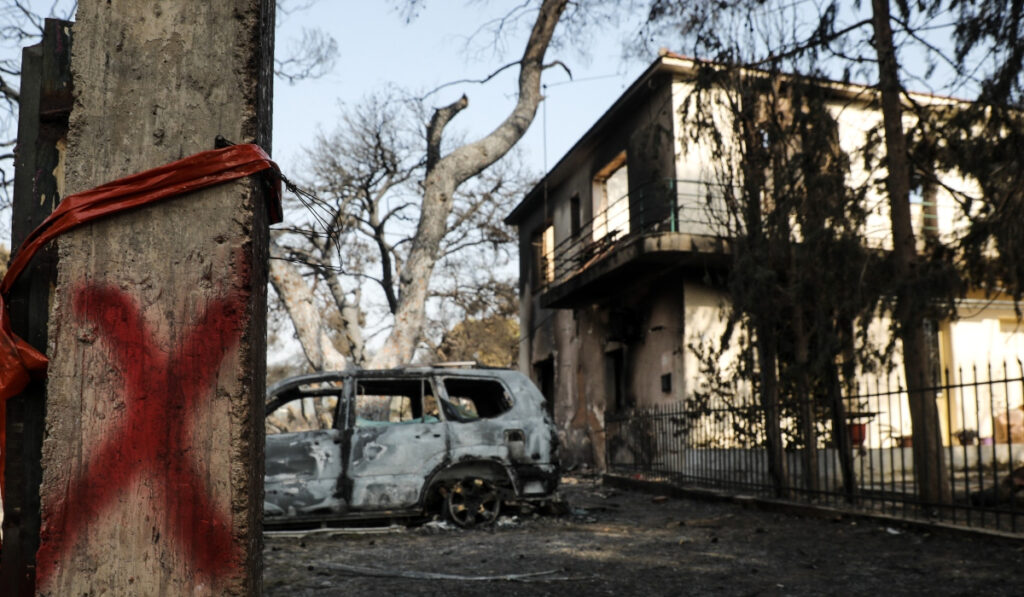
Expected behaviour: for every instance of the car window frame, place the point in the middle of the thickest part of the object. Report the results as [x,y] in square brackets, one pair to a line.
[352,394]
[510,397]
[295,393]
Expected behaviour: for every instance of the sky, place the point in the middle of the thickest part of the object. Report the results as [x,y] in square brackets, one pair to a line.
[379,50]
[448,41]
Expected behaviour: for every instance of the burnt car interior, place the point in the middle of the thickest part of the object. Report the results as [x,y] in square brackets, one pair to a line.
[470,399]
[306,408]
[394,401]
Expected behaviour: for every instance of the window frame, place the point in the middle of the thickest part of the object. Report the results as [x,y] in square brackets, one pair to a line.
[427,387]
[453,416]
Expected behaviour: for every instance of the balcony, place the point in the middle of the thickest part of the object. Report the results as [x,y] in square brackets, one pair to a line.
[666,224]
[682,224]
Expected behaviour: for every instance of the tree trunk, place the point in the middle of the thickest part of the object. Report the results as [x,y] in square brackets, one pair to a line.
[804,399]
[348,320]
[929,466]
[840,434]
[754,165]
[443,177]
[304,312]
[768,361]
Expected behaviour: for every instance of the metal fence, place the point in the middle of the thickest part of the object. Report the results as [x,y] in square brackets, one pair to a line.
[723,448]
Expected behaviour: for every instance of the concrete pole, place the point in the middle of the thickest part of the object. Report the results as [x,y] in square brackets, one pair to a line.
[152,461]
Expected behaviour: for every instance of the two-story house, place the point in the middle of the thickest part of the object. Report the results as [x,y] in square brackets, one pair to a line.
[617,244]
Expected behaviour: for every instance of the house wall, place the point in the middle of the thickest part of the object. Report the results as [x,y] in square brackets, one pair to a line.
[695,168]
[654,321]
[859,123]
[579,340]
[646,328]
[705,312]
[658,349]
[857,119]
[986,343]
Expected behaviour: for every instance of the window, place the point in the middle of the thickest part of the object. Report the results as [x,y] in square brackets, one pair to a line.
[471,399]
[394,401]
[543,245]
[575,219]
[611,200]
[309,408]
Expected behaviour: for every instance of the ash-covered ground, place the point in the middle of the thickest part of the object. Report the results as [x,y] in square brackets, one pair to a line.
[618,542]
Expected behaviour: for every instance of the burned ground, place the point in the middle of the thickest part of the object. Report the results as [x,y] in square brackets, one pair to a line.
[618,542]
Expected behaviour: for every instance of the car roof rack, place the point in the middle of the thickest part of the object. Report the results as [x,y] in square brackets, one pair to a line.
[456,364]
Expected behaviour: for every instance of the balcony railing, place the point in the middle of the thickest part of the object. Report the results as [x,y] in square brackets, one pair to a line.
[683,206]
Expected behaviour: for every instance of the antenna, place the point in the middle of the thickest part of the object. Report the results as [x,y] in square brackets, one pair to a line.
[544,142]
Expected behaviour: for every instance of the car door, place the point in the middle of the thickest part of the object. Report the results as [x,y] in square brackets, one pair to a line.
[479,430]
[397,439]
[303,454]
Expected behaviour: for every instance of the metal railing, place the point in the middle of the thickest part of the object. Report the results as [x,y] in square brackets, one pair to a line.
[687,206]
[723,448]
[668,205]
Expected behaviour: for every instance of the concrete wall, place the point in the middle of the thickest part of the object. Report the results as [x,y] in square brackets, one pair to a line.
[578,340]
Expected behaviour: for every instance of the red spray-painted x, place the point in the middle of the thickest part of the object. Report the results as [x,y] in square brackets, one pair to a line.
[161,394]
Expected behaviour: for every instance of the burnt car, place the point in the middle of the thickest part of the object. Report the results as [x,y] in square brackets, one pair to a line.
[409,442]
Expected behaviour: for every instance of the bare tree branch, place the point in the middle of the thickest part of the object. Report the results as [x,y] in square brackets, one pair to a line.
[435,130]
[480,81]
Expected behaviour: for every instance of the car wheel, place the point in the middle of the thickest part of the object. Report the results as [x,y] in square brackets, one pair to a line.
[473,501]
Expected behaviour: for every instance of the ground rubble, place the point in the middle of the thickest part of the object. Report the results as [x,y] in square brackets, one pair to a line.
[620,542]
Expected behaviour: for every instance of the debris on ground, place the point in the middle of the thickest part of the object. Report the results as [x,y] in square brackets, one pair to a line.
[676,547]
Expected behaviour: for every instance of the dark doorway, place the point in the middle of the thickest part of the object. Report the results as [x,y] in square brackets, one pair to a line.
[544,373]
[615,364]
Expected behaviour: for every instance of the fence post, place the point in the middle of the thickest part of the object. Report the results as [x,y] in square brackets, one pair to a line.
[38,184]
[153,456]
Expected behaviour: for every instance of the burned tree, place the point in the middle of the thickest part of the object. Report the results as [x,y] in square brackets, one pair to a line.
[406,282]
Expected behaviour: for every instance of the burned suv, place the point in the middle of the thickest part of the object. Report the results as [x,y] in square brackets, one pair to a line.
[385,444]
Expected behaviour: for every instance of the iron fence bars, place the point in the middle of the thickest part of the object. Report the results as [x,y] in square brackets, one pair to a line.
[722,447]
[986,450]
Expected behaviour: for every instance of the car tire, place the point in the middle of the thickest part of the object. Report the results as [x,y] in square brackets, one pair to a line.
[473,501]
